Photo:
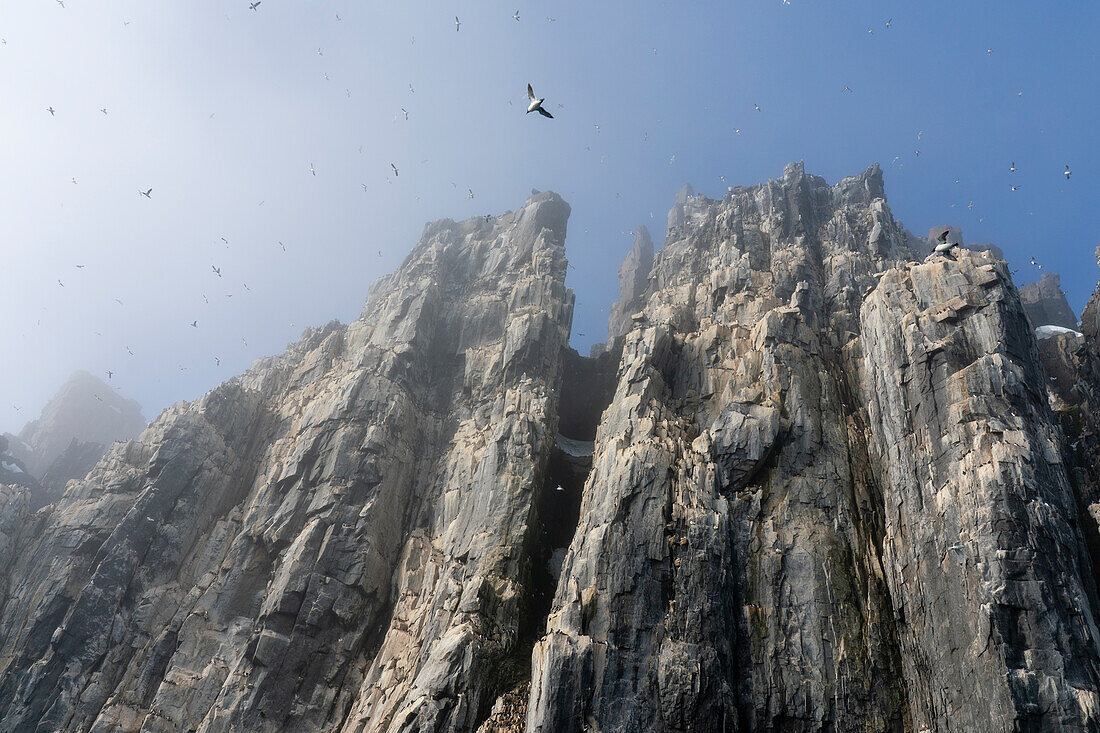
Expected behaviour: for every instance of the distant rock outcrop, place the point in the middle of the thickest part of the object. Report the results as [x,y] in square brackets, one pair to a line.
[74,430]
[1046,304]
[633,275]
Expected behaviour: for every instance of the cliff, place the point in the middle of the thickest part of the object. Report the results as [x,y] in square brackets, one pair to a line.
[816,483]
[1046,304]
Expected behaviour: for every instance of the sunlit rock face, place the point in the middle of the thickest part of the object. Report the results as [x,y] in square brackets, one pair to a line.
[829,493]
[815,482]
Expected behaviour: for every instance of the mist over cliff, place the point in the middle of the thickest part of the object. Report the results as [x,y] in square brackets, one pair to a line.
[815,480]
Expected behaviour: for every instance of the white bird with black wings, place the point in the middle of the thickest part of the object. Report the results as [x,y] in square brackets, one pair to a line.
[536,104]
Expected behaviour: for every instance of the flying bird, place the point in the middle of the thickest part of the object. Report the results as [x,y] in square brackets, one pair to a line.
[516,16]
[60,283]
[536,105]
[756,107]
[889,22]
[110,374]
[146,193]
[846,89]
[253,6]
[405,112]
[469,193]
[458,24]
[1012,168]
[395,173]
[194,324]
[128,351]
[311,169]
[217,361]
[103,110]
[1013,187]
[319,52]
[282,246]
[50,110]
[217,270]
[1067,172]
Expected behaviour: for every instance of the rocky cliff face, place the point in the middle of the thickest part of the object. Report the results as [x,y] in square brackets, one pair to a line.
[816,484]
[1046,304]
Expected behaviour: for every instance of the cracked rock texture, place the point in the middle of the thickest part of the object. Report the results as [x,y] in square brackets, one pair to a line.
[336,540]
[816,482]
[829,493]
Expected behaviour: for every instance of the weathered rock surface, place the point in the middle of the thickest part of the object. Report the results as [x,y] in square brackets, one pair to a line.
[1046,303]
[815,510]
[816,484]
[338,539]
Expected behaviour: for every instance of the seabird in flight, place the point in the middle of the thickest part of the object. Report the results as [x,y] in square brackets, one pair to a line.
[146,193]
[536,104]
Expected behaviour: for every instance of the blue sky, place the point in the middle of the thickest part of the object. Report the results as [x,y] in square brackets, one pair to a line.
[661,79]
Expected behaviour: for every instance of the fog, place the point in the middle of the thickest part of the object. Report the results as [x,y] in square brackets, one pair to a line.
[222,111]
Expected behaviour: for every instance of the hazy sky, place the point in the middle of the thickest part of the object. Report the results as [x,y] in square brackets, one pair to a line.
[222,110]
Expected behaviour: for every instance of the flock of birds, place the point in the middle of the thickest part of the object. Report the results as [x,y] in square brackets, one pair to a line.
[535,104]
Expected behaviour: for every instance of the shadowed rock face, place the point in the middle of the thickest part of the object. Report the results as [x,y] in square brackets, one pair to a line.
[633,275]
[816,484]
[1046,304]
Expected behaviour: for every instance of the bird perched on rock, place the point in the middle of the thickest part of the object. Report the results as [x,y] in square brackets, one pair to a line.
[536,104]
[943,246]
